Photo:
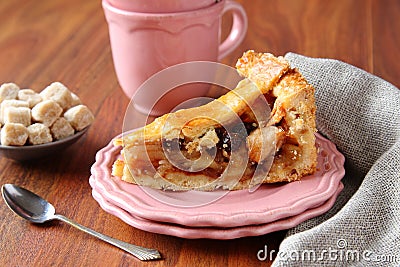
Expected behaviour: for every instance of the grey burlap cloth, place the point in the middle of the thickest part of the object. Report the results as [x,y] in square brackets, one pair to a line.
[360,113]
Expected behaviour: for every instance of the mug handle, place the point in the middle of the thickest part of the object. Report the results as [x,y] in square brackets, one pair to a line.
[238,31]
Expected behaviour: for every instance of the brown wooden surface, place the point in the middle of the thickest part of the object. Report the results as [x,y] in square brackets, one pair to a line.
[59,40]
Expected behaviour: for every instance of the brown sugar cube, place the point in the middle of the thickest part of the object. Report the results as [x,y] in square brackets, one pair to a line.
[59,93]
[79,117]
[14,134]
[46,112]
[61,129]
[17,115]
[39,133]
[75,100]
[29,96]
[11,103]
[8,91]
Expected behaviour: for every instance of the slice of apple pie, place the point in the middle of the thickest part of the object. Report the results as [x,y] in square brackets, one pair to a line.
[260,132]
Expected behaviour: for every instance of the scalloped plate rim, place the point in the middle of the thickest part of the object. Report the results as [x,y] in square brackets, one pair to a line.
[132,204]
[210,232]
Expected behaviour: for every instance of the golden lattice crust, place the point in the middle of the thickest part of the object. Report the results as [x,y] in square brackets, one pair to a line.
[287,134]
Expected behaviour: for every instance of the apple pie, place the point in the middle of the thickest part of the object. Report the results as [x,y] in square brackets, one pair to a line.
[260,132]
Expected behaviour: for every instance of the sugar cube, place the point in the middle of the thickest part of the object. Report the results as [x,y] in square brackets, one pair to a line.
[14,134]
[29,96]
[39,133]
[46,112]
[61,129]
[17,115]
[10,103]
[79,117]
[59,93]
[8,91]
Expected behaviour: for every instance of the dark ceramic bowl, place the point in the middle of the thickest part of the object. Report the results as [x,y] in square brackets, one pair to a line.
[30,152]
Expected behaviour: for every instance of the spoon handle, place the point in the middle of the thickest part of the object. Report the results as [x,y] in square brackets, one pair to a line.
[141,253]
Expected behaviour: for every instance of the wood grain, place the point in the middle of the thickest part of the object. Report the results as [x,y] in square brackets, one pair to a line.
[58,40]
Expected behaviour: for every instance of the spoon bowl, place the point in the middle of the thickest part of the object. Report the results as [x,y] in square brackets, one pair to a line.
[35,209]
[28,205]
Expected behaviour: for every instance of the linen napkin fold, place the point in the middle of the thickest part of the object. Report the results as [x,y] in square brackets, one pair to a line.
[360,113]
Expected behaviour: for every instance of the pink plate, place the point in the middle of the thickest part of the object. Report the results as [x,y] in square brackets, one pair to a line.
[213,232]
[235,208]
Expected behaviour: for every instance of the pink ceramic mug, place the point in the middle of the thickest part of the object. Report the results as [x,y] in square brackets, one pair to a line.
[161,6]
[142,44]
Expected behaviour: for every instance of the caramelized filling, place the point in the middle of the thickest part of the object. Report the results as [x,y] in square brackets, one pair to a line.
[229,140]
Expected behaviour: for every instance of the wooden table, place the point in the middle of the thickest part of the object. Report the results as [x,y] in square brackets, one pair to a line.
[58,40]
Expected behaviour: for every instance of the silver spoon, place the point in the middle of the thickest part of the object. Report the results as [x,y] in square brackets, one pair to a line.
[37,210]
